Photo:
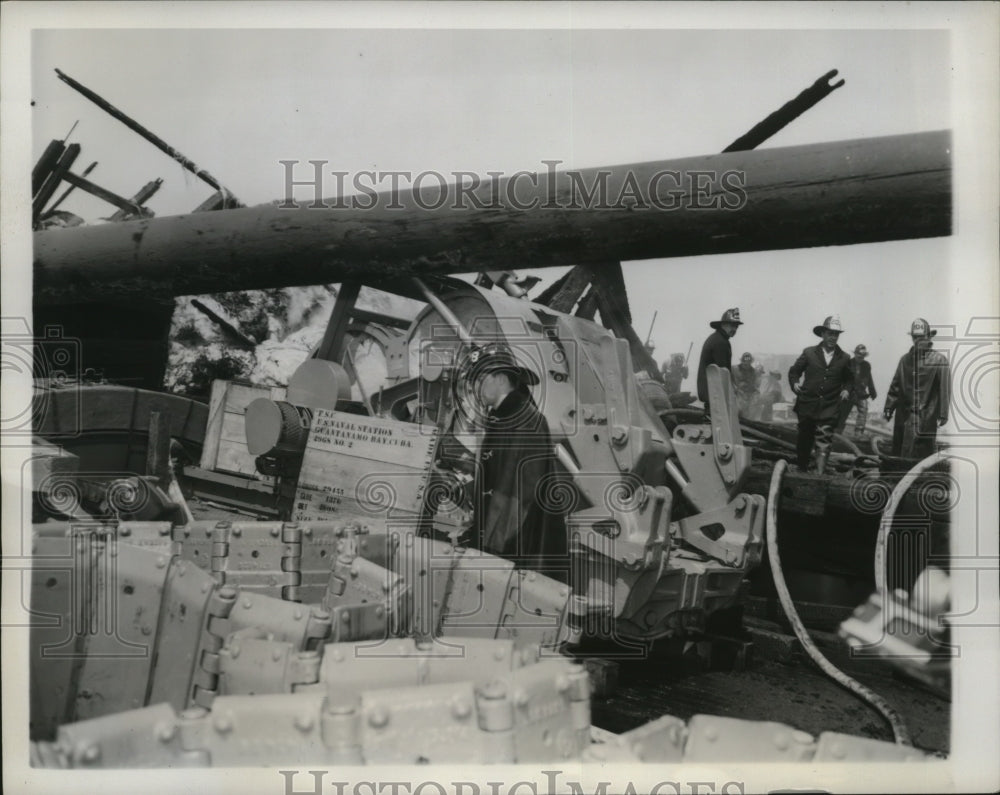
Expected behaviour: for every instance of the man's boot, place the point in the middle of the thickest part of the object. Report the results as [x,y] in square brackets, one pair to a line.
[822,457]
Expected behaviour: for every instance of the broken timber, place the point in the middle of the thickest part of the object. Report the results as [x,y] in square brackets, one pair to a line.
[860,191]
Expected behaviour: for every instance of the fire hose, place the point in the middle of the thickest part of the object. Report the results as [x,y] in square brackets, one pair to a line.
[899,730]
[890,512]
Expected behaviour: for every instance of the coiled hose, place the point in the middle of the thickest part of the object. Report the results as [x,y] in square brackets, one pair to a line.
[890,512]
[899,730]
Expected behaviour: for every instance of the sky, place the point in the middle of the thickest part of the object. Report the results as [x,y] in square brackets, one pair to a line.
[239,101]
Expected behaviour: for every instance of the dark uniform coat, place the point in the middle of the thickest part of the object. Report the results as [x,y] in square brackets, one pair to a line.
[716,350]
[919,394]
[517,463]
[819,394]
[864,386]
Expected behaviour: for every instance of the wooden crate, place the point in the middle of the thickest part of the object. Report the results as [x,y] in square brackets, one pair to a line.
[225,448]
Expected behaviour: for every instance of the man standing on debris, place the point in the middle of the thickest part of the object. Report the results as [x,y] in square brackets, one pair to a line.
[770,393]
[674,372]
[863,389]
[717,349]
[919,395]
[515,457]
[826,376]
[746,380]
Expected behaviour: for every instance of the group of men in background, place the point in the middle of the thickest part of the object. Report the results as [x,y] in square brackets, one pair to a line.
[828,383]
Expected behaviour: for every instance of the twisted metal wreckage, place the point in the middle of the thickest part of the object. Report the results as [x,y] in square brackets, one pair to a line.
[341,629]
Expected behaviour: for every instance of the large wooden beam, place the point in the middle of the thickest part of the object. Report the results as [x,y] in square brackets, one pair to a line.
[859,191]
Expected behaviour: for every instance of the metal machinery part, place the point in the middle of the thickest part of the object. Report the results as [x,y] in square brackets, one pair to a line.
[660,533]
[174,640]
[910,631]
[165,653]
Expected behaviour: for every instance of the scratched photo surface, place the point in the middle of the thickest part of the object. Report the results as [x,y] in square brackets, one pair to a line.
[584,399]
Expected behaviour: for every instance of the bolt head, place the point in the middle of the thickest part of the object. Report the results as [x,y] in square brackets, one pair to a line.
[461,708]
[379,717]
[165,732]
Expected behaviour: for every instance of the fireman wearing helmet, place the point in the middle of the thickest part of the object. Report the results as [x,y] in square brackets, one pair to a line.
[746,381]
[674,372]
[827,380]
[516,461]
[919,395]
[863,389]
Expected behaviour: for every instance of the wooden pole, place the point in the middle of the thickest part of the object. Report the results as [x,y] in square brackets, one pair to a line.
[51,183]
[133,125]
[862,191]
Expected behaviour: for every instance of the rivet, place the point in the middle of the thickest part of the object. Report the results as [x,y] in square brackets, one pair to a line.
[165,732]
[276,655]
[520,697]
[378,718]
[146,630]
[237,531]
[837,751]
[205,586]
[223,724]
[92,753]
[461,708]
[304,722]
[338,655]
[353,571]
[234,650]
[711,734]
[781,741]
[297,615]
[562,683]
[499,654]
[125,530]
[247,603]
[187,532]
[181,569]
[531,576]
[345,617]
[379,611]
[274,532]
[161,562]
